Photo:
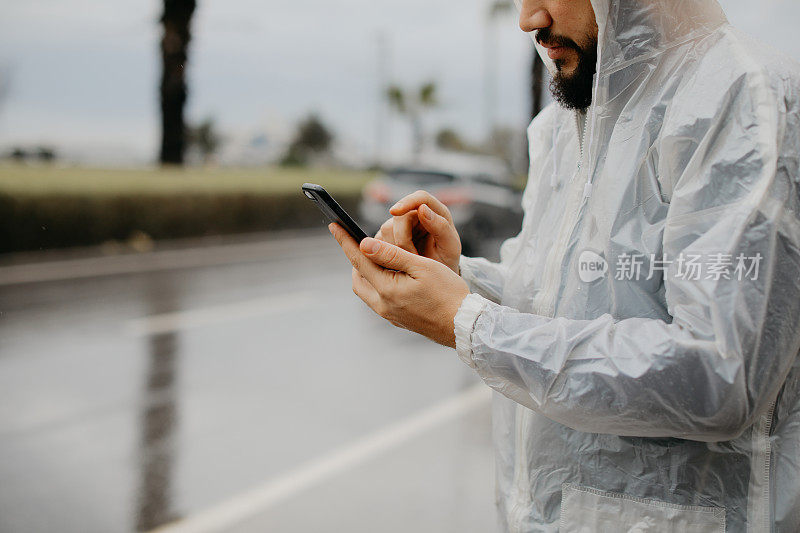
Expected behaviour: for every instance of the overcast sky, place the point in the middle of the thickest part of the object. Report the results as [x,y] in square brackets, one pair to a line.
[84,73]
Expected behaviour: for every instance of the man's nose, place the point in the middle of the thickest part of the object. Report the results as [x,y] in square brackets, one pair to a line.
[534,16]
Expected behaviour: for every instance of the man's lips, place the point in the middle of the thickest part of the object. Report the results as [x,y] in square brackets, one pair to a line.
[556,52]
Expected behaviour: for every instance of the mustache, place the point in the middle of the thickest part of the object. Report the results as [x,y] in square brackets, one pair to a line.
[545,37]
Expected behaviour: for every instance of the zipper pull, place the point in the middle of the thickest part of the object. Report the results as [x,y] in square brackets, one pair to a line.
[587,190]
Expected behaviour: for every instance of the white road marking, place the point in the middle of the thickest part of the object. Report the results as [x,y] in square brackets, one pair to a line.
[195,318]
[237,509]
[299,244]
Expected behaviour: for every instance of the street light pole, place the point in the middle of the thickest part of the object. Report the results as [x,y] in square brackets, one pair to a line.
[381,117]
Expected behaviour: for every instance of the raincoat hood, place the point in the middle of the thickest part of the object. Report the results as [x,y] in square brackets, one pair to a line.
[632,30]
[642,330]
[635,29]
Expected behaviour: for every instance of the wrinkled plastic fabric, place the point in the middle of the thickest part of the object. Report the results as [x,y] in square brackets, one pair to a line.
[664,394]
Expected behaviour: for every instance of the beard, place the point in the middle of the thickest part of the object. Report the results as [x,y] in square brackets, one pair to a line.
[572,91]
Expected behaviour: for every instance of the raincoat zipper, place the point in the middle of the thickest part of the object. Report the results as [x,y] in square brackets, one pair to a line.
[522,487]
[758,499]
[543,304]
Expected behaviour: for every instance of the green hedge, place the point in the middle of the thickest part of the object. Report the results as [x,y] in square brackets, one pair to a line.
[63,220]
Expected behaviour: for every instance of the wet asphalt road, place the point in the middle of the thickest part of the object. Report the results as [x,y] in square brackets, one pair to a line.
[240,387]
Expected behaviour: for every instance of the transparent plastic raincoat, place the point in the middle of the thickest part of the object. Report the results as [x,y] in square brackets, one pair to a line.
[642,330]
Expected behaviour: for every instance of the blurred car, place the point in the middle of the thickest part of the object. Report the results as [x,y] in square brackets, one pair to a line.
[481,198]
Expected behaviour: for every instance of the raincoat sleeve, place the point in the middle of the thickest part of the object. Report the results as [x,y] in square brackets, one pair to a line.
[485,277]
[718,365]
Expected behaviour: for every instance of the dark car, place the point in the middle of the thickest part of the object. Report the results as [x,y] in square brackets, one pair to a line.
[484,204]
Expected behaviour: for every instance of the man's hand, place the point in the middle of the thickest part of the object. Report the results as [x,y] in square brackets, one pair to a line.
[412,292]
[423,225]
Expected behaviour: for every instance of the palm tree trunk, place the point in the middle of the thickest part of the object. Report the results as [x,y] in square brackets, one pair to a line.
[537,84]
[537,95]
[176,21]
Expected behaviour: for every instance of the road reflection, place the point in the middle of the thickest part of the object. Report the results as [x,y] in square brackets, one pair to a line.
[159,417]
[121,431]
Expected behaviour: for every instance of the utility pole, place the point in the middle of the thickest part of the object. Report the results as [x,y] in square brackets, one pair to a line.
[5,83]
[495,9]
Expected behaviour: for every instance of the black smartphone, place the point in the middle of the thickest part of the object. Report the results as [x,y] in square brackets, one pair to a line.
[332,210]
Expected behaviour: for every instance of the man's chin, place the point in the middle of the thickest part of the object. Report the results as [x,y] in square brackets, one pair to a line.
[572,84]
[572,92]
[566,70]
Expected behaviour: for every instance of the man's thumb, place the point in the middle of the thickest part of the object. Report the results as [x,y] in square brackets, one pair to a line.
[388,255]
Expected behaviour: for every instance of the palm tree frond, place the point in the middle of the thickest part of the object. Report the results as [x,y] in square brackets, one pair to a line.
[397,98]
[427,95]
[500,7]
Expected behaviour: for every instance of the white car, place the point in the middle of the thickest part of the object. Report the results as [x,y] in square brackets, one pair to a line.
[484,206]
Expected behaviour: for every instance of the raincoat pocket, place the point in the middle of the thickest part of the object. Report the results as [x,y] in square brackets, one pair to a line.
[585,510]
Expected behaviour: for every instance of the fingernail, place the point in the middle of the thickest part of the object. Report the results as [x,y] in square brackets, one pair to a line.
[395,206]
[372,246]
[426,212]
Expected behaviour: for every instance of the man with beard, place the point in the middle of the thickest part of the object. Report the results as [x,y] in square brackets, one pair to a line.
[642,330]
[575,65]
